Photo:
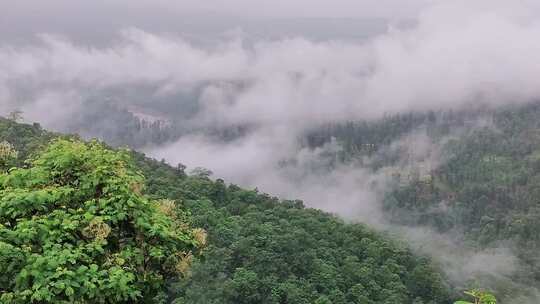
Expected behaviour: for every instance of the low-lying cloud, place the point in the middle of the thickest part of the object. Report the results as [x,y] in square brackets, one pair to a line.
[456,55]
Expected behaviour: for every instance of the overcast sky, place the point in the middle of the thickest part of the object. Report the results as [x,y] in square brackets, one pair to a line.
[91,21]
[129,10]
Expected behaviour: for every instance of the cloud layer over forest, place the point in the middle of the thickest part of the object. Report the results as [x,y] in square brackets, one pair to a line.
[458,54]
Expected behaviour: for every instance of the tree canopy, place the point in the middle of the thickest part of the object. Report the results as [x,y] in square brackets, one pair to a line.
[76,228]
[260,249]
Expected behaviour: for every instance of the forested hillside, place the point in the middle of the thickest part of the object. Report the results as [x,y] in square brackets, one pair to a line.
[482,189]
[258,250]
[254,152]
[487,188]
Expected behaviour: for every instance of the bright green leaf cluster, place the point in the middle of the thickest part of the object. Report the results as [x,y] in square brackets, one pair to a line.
[480,297]
[75,228]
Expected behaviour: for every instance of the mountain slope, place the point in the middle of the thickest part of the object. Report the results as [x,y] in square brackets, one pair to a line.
[262,250]
[478,182]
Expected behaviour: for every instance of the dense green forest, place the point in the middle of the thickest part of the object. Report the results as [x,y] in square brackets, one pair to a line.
[263,152]
[80,211]
[243,246]
[485,188]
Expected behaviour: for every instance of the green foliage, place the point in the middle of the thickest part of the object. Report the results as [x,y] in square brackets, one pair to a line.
[479,297]
[75,228]
[25,139]
[487,187]
[260,249]
[8,155]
